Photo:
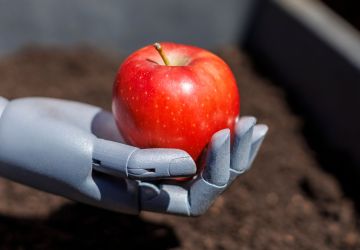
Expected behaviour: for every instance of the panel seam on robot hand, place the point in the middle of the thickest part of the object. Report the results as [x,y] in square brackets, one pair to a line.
[212,184]
[238,172]
[127,161]
[112,158]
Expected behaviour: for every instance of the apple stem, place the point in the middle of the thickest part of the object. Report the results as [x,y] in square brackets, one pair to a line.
[162,54]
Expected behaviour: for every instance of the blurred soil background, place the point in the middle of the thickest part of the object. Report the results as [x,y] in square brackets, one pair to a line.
[286,201]
[348,9]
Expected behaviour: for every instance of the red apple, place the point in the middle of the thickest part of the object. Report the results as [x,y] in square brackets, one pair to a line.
[174,96]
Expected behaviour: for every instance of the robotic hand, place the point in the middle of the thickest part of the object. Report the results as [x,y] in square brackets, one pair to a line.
[75,150]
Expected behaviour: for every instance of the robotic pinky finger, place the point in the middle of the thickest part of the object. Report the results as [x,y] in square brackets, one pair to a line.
[257,139]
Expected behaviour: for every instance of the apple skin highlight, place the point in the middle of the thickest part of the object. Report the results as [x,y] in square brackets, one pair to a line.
[180,105]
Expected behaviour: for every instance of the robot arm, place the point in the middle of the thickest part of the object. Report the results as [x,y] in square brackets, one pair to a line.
[52,145]
[74,150]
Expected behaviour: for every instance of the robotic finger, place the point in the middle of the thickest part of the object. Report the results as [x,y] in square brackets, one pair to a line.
[142,164]
[3,103]
[223,166]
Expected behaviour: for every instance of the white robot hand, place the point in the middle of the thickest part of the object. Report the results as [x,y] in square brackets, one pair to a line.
[74,150]
[222,165]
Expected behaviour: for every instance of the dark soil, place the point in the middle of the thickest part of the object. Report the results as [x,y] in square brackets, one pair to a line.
[348,9]
[286,201]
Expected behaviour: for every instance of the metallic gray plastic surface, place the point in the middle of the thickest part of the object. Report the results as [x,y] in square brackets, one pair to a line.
[74,150]
[223,165]
[126,161]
